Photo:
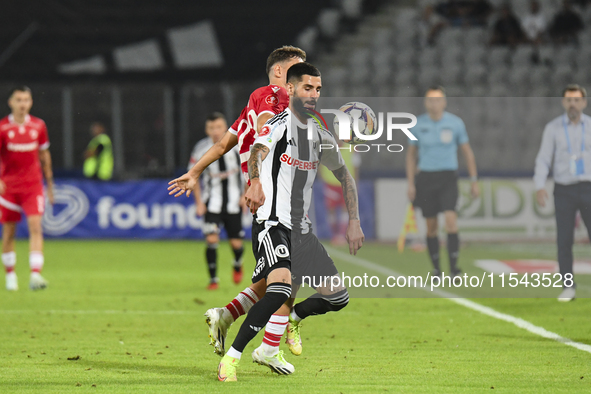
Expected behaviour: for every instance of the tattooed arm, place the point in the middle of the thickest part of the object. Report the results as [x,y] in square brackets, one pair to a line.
[254,196]
[354,234]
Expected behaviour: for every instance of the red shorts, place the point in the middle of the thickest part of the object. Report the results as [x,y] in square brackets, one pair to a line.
[333,196]
[13,204]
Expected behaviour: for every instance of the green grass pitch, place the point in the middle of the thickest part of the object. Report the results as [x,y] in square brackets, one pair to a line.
[125,316]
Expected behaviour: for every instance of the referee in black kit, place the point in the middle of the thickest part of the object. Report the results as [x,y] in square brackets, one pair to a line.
[220,202]
[567,139]
[435,188]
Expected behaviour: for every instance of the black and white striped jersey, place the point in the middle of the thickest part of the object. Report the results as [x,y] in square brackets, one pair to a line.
[222,182]
[289,170]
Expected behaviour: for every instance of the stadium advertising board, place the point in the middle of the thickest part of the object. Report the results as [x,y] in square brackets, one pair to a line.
[507,209]
[144,210]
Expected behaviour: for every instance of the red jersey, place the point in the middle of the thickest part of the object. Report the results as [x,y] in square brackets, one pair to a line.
[270,99]
[20,168]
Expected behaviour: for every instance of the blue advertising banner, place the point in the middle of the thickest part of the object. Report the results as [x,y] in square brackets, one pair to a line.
[144,210]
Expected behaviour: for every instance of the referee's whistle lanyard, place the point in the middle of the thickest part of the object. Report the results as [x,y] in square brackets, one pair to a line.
[576,165]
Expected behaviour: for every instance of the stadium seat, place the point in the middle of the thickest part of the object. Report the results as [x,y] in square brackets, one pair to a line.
[499,75]
[405,76]
[382,39]
[474,55]
[428,57]
[522,56]
[449,38]
[328,22]
[538,75]
[474,37]
[518,80]
[497,57]
[451,57]
[429,77]
[382,58]
[451,74]
[566,55]
[352,9]
[307,39]
[546,54]
[475,74]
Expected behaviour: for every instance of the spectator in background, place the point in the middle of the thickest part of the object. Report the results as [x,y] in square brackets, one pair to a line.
[534,23]
[565,25]
[479,12]
[98,157]
[430,25]
[465,12]
[507,29]
[564,151]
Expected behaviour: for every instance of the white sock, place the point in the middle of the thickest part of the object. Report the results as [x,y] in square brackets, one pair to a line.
[273,333]
[234,353]
[36,261]
[9,261]
[295,316]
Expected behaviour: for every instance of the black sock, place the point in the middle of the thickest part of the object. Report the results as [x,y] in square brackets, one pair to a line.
[433,248]
[319,305]
[238,258]
[453,248]
[260,313]
[211,255]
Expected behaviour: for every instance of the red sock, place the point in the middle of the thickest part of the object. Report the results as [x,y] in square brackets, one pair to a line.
[242,303]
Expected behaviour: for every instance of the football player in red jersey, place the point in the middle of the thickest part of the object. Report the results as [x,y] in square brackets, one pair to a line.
[24,153]
[262,105]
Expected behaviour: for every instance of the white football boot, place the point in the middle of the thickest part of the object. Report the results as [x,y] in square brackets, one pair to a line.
[37,282]
[277,362]
[11,281]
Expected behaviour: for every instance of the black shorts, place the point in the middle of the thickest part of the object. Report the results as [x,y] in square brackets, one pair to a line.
[310,260]
[274,251]
[232,222]
[437,191]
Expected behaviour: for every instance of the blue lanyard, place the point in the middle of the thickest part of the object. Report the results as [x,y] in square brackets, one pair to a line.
[564,123]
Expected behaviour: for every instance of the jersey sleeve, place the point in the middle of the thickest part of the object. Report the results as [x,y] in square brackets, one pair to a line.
[462,134]
[240,123]
[271,99]
[43,138]
[271,133]
[331,158]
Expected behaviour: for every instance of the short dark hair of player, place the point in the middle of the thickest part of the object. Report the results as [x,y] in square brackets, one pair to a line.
[575,88]
[215,116]
[436,88]
[284,53]
[298,70]
[21,88]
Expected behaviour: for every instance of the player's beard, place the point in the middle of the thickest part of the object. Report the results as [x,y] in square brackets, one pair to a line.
[304,105]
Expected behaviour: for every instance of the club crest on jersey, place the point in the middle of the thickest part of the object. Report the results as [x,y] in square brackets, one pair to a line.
[33,133]
[446,136]
[11,134]
[282,251]
[272,99]
[264,131]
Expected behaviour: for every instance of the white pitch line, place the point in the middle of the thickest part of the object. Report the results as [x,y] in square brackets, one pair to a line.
[97,312]
[524,324]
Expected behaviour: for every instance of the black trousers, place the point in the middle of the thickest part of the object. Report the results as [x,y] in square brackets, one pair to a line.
[568,199]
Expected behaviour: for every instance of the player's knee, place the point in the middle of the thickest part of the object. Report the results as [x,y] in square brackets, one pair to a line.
[278,293]
[338,300]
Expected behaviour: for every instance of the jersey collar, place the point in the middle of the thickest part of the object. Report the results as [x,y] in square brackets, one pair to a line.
[296,121]
[11,119]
